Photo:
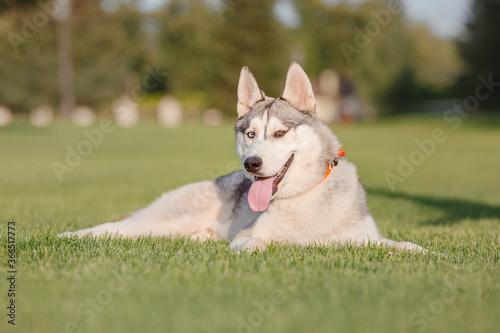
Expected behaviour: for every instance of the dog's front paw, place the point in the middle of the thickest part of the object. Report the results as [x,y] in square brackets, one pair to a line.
[249,244]
[78,234]
[84,233]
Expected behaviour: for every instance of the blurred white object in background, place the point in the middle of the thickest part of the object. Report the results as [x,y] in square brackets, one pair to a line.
[327,108]
[83,116]
[170,112]
[126,112]
[327,98]
[5,116]
[42,115]
[329,83]
[213,117]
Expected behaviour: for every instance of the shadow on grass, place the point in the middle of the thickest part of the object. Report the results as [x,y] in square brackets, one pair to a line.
[455,210]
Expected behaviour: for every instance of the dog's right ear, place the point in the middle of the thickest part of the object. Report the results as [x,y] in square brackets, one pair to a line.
[249,92]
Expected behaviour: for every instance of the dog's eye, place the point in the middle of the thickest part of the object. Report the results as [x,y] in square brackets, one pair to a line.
[279,134]
[251,135]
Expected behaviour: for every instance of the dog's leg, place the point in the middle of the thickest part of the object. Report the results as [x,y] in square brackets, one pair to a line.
[370,229]
[403,245]
[249,244]
[193,210]
[110,228]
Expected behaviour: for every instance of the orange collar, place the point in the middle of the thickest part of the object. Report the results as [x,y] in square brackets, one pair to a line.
[341,153]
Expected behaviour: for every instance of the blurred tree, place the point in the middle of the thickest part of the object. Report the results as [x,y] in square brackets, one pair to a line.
[108,54]
[202,46]
[383,67]
[186,45]
[10,4]
[248,34]
[392,63]
[437,62]
[323,29]
[481,50]
[28,60]
[104,62]
[141,55]
[367,43]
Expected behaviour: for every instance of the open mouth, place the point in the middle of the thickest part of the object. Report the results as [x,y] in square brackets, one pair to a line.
[263,188]
[277,178]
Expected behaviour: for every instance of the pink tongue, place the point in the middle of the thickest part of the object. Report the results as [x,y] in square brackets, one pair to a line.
[260,194]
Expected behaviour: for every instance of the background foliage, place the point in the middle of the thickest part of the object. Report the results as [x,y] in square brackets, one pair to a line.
[202,45]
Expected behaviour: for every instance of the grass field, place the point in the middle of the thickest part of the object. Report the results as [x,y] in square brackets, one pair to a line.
[449,204]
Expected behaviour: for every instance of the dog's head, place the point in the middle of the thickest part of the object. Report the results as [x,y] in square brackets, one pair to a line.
[283,146]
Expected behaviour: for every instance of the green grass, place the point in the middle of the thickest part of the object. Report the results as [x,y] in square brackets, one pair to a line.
[451,204]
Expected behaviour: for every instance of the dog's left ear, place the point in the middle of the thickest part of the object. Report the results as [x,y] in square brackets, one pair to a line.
[298,89]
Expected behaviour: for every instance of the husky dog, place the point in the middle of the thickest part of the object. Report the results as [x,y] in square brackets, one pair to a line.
[294,188]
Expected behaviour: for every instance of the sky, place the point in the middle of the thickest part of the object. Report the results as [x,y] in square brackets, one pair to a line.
[445,18]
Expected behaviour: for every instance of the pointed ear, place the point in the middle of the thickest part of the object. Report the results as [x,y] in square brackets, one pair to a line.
[298,90]
[249,92]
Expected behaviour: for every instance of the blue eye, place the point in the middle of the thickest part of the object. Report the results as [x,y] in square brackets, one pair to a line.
[251,135]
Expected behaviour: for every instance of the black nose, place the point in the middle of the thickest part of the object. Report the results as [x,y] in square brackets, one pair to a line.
[253,164]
